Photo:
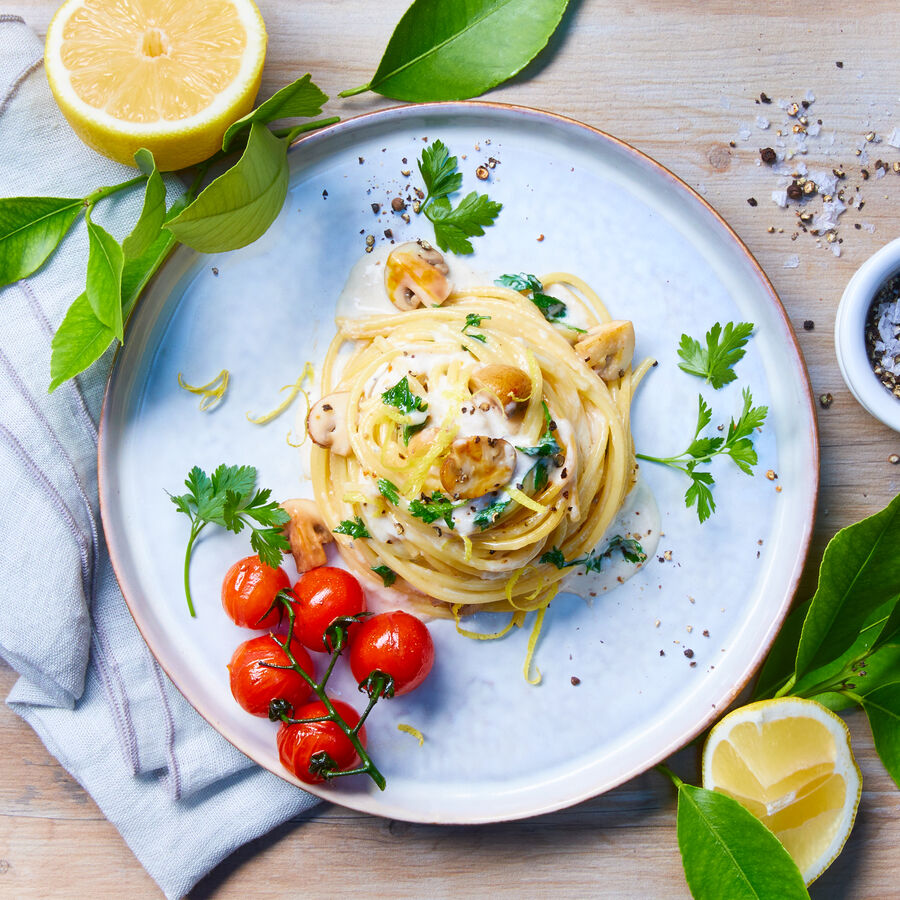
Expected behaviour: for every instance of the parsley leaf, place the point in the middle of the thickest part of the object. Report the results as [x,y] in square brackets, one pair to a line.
[430,509]
[552,307]
[554,556]
[438,170]
[473,320]
[354,527]
[486,517]
[401,397]
[520,282]
[631,550]
[388,575]
[228,499]
[737,444]
[452,226]
[723,350]
[390,490]
[547,445]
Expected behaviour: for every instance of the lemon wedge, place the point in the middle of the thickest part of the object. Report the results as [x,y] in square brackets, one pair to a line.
[168,75]
[788,761]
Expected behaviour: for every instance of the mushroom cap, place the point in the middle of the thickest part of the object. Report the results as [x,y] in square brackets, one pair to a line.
[477,465]
[326,423]
[415,274]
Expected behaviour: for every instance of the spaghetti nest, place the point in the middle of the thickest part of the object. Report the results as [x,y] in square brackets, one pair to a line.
[415,397]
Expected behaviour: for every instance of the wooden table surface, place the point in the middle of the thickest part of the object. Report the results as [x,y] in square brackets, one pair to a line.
[679,80]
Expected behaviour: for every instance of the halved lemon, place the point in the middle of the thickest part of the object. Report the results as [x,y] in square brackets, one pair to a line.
[788,761]
[168,75]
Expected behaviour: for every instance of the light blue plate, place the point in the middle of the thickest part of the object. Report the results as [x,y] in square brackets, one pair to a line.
[573,198]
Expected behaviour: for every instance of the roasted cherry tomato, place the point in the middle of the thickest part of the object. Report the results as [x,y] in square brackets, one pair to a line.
[396,643]
[322,595]
[254,685]
[297,743]
[248,590]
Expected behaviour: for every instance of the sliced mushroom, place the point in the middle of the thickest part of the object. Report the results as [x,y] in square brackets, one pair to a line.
[509,384]
[308,534]
[608,348]
[422,439]
[415,274]
[326,423]
[477,465]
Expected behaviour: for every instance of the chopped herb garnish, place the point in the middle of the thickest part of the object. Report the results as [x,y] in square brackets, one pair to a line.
[390,490]
[632,551]
[552,308]
[388,575]
[354,528]
[547,445]
[486,517]
[430,509]
[520,282]
[401,397]
[473,320]
[537,476]
[723,350]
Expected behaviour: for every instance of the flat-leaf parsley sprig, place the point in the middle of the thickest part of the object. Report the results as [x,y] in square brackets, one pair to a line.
[229,499]
[737,444]
[453,226]
[632,552]
[724,349]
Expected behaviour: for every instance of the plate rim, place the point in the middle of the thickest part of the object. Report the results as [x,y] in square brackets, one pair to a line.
[370,803]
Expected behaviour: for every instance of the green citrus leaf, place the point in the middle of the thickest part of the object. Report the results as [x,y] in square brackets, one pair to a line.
[104,278]
[80,341]
[301,98]
[728,853]
[860,574]
[240,205]
[882,706]
[453,51]
[30,230]
[153,213]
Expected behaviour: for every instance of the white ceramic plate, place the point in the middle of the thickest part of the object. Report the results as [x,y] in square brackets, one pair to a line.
[495,747]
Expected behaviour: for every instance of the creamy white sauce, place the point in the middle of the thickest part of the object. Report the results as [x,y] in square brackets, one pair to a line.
[364,295]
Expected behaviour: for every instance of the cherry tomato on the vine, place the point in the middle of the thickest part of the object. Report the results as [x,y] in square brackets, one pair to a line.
[254,685]
[322,595]
[248,590]
[396,643]
[297,743]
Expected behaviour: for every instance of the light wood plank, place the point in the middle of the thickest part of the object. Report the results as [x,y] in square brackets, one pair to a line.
[677,80]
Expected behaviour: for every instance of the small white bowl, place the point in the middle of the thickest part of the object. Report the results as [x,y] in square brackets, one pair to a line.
[850,338]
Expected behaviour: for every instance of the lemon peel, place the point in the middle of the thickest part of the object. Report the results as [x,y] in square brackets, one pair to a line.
[408,729]
[212,392]
[295,389]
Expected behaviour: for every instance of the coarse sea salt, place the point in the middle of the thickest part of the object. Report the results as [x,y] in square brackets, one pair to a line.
[792,262]
[894,138]
[888,315]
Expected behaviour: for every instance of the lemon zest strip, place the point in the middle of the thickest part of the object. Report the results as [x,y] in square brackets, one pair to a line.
[211,392]
[408,729]
[295,388]
[467,543]
[532,643]
[478,635]
[524,500]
